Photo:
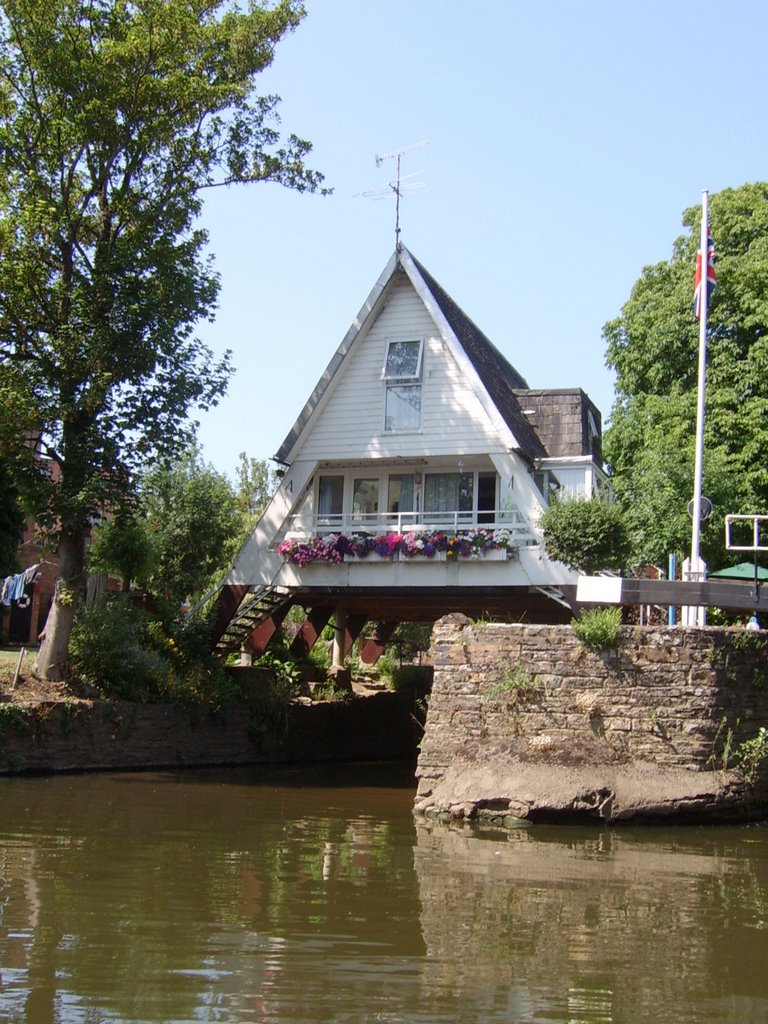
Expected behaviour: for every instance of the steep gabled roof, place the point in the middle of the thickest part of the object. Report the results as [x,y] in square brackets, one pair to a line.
[500,379]
[497,376]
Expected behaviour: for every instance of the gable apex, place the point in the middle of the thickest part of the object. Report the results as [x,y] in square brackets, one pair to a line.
[496,380]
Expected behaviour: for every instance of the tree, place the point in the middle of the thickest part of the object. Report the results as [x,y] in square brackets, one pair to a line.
[114,115]
[11,524]
[196,525]
[653,347]
[256,483]
[124,546]
[185,526]
[586,534]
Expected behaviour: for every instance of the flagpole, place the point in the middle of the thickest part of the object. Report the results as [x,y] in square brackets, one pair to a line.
[699,459]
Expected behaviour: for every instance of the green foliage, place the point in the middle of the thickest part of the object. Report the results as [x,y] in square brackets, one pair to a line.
[320,657]
[191,515]
[724,738]
[15,718]
[270,703]
[126,653]
[11,523]
[516,686]
[598,627]
[388,663]
[285,670]
[182,531]
[408,643]
[124,546]
[257,481]
[586,534]
[110,650]
[407,677]
[114,116]
[653,344]
[330,689]
[750,755]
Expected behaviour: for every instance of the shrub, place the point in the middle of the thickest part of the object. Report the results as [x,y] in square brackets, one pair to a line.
[750,755]
[109,650]
[598,627]
[586,534]
[517,686]
[126,653]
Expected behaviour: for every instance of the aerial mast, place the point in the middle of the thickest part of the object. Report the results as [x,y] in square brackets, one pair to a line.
[402,185]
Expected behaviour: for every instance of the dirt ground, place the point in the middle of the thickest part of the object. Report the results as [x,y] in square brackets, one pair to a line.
[29,689]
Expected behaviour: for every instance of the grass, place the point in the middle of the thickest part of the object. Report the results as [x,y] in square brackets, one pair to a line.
[9,659]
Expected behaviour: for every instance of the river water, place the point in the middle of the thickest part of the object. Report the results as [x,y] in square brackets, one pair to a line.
[311,895]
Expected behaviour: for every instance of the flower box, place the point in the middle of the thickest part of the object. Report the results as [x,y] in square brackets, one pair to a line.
[438,556]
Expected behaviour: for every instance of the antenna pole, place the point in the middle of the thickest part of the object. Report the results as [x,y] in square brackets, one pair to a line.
[397,204]
[397,186]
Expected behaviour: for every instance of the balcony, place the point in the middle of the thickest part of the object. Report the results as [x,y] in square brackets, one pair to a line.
[405,537]
[305,525]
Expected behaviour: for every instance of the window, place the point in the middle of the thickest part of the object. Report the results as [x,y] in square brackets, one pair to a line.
[365,498]
[402,371]
[400,494]
[403,360]
[448,492]
[547,483]
[403,407]
[330,500]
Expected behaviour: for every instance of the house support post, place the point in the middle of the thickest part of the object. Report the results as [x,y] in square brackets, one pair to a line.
[259,639]
[374,646]
[309,632]
[228,601]
[339,630]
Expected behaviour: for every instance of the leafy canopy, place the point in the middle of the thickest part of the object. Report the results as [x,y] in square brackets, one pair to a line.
[183,532]
[115,115]
[653,347]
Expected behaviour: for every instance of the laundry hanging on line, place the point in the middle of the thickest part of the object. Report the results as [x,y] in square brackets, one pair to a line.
[14,588]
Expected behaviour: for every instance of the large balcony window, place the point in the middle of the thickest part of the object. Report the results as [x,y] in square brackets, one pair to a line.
[448,492]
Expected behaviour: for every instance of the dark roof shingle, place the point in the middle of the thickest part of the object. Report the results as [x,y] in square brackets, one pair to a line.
[499,377]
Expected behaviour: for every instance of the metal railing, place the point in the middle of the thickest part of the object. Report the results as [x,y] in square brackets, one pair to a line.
[374,523]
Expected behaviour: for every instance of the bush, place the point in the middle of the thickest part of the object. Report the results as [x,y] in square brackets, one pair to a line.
[585,534]
[109,650]
[598,627]
[126,653]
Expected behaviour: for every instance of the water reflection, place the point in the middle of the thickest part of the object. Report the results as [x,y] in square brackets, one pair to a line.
[297,896]
[567,925]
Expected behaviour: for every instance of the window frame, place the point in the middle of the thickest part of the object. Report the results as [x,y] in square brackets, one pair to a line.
[394,382]
[403,376]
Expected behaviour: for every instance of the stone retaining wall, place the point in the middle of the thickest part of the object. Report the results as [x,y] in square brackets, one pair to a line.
[526,721]
[91,735]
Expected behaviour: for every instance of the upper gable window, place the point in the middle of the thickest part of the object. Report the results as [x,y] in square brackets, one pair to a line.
[402,372]
[403,361]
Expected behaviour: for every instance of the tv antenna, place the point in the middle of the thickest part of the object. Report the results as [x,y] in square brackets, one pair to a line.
[407,185]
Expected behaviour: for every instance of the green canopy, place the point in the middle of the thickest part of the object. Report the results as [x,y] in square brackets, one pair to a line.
[742,571]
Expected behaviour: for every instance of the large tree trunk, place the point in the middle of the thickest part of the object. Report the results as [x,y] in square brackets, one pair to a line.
[53,657]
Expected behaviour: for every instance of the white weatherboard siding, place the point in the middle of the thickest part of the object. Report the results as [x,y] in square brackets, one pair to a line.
[257,563]
[350,424]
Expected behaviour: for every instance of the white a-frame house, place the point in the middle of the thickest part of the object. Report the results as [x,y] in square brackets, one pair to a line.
[413,481]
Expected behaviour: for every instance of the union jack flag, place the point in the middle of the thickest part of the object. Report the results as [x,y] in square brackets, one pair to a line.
[711,275]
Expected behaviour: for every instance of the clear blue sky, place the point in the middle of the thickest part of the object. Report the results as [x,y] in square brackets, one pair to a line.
[565,140]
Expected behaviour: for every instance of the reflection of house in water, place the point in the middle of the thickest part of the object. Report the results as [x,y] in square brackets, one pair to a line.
[413,481]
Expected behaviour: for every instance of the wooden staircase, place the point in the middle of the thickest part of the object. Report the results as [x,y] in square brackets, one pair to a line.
[258,607]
